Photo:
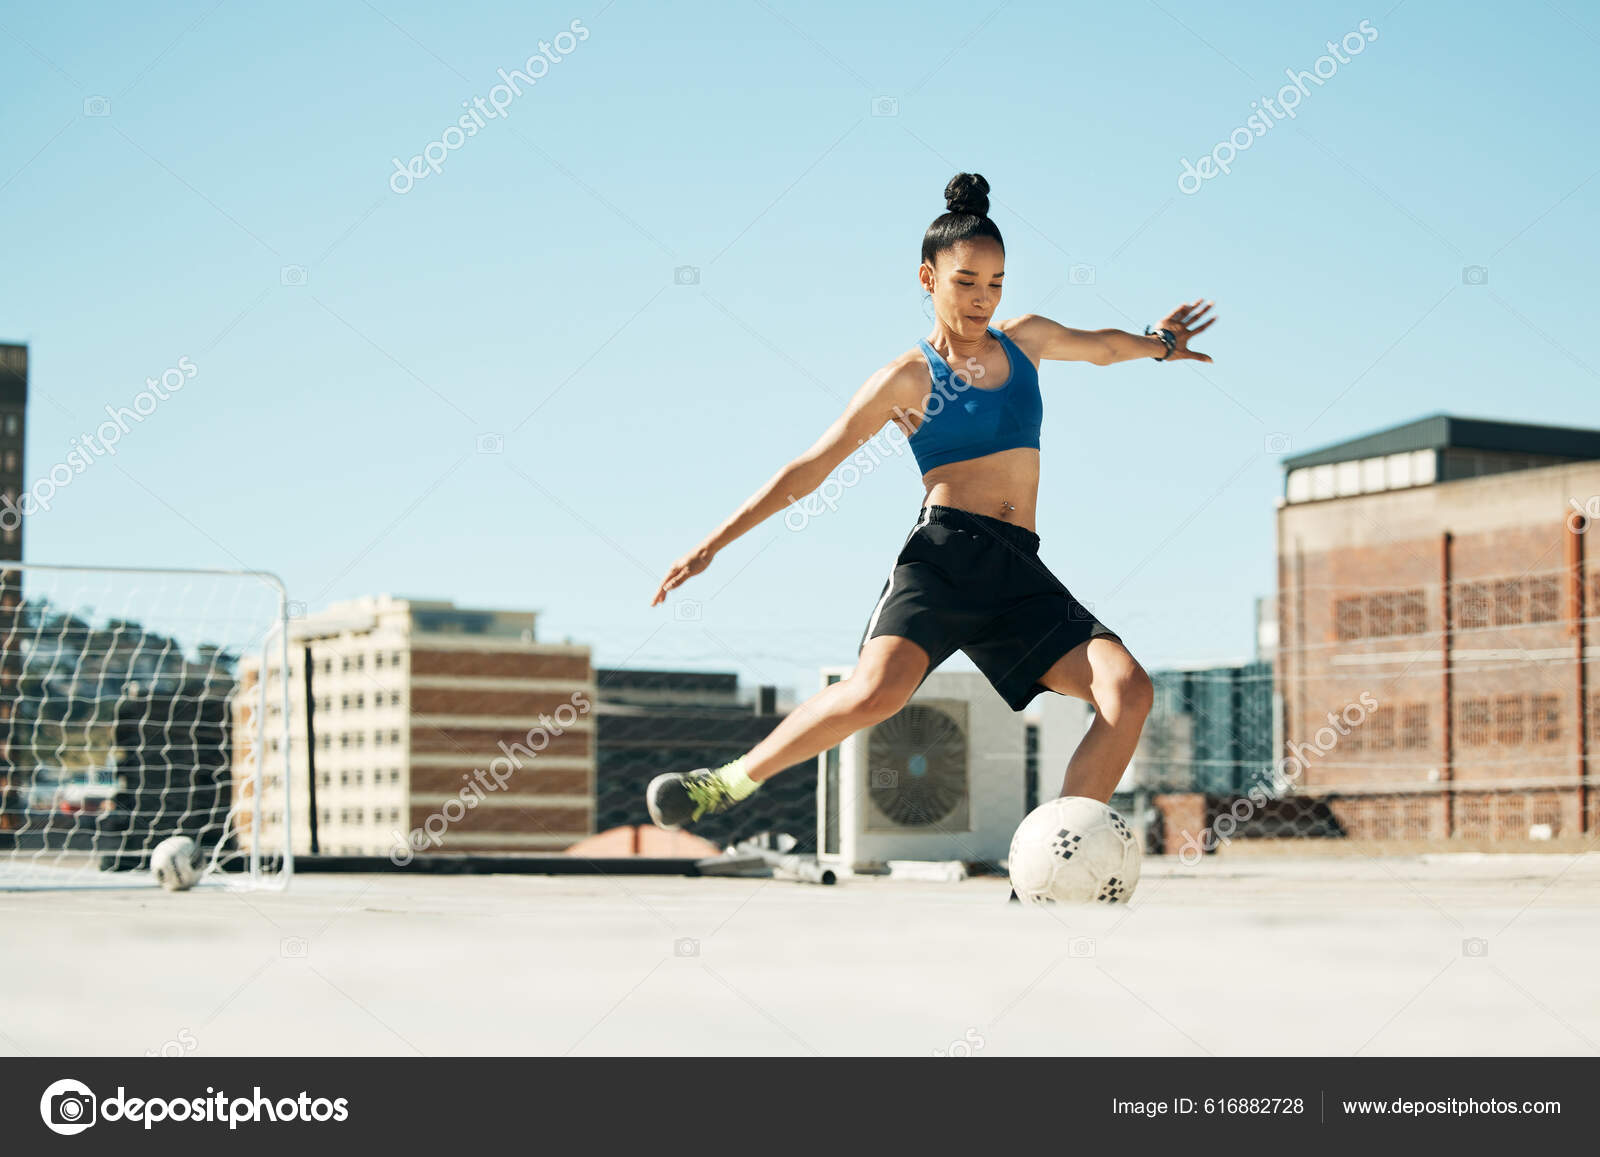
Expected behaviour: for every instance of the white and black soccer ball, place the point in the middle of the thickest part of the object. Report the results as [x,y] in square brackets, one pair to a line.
[173,864]
[1074,850]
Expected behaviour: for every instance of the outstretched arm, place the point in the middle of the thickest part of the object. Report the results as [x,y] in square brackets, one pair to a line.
[1050,341]
[873,405]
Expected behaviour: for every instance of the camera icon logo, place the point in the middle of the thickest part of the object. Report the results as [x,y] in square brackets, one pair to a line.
[1278,443]
[686,611]
[67,1107]
[1080,274]
[491,443]
[97,106]
[1475,275]
[296,609]
[686,946]
[686,275]
[292,947]
[1475,946]
[885,106]
[883,778]
[1080,947]
[292,275]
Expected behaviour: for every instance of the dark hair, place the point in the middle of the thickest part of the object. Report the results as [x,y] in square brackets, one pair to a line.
[967,200]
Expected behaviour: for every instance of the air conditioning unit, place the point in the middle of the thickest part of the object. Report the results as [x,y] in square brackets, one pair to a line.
[943,779]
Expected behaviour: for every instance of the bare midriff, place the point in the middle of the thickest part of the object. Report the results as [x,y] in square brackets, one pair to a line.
[1004,485]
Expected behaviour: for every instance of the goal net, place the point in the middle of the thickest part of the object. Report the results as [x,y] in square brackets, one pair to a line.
[137,705]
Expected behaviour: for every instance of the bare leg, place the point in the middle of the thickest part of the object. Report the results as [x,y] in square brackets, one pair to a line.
[1103,672]
[888,671]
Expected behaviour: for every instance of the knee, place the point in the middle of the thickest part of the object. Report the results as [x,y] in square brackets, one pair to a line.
[874,700]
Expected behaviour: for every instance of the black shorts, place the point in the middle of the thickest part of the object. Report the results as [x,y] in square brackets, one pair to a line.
[967,582]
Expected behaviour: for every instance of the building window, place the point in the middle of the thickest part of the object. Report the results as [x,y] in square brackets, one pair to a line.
[1413,613]
[1474,722]
[1380,616]
[1507,602]
[377,661]
[344,779]
[1381,726]
[1472,606]
[1508,720]
[1414,726]
[1544,599]
[1546,712]
[1347,619]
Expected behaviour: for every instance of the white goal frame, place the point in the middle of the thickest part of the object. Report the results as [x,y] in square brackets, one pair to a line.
[235,851]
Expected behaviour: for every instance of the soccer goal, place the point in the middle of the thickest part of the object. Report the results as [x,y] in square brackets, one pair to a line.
[137,705]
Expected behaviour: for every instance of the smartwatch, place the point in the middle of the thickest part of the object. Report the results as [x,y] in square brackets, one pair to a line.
[1168,339]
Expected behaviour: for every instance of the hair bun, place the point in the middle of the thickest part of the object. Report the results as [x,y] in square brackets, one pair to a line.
[967,193]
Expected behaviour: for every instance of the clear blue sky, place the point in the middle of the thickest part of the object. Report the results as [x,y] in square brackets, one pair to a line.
[526,290]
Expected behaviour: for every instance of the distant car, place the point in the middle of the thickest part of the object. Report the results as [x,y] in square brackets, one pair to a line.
[53,792]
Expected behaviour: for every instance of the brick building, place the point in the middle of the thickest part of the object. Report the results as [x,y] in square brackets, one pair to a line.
[430,716]
[1435,670]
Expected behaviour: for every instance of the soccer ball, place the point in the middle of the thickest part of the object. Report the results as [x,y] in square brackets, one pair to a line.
[1074,850]
[173,864]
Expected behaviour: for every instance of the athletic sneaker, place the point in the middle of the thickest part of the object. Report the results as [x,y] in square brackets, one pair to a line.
[676,799]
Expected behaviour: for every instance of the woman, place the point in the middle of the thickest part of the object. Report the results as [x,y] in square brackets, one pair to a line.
[969,576]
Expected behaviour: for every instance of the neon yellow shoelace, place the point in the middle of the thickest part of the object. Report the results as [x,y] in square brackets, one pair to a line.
[708,794]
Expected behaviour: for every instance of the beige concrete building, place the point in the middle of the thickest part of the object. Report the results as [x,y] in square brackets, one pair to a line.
[436,729]
[1436,652]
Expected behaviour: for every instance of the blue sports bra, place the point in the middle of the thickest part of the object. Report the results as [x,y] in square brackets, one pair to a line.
[962,420]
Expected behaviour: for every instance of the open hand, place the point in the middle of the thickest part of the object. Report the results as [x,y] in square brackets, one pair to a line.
[681,571]
[1185,322]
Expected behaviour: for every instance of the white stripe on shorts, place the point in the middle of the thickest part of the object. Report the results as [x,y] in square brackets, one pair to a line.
[922,520]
